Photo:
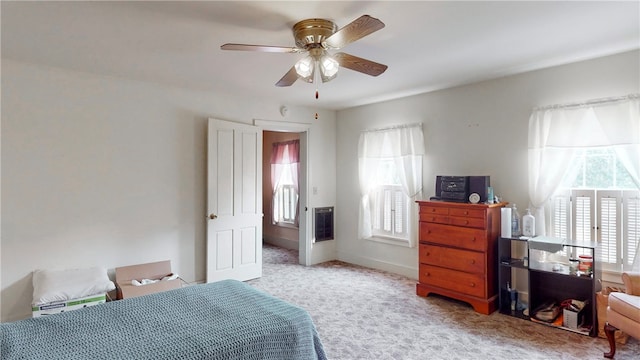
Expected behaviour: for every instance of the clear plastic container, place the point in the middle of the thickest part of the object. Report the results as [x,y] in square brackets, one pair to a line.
[585,264]
[516,230]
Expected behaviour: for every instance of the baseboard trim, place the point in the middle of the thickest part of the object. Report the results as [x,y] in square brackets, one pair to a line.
[280,242]
[410,272]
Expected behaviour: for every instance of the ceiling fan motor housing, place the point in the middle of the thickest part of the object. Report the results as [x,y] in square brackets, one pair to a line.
[313,31]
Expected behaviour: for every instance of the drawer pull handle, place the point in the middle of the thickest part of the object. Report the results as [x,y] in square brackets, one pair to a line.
[474,239]
[466,213]
[428,274]
[472,261]
[466,222]
[472,285]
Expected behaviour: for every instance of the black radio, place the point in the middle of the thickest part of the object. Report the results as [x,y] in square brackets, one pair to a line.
[458,188]
[454,183]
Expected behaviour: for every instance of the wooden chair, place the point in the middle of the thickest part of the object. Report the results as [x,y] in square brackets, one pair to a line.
[623,312]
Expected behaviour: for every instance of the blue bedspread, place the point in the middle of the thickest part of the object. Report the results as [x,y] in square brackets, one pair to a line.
[223,320]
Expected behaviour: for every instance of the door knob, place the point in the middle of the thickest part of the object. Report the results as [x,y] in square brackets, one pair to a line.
[212,216]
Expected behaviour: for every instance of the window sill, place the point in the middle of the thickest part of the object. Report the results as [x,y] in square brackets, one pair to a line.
[390,240]
[612,276]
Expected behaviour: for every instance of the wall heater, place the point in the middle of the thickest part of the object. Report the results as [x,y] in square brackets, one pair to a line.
[323,217]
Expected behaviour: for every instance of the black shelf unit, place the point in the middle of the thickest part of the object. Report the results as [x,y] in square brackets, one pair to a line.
[548,284]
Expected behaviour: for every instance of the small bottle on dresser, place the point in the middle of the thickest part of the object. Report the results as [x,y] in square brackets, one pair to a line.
[528,224]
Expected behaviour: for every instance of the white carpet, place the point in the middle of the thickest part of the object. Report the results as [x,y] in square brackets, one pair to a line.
[368,314]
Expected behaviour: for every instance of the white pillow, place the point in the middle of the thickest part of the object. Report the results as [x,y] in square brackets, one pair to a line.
[62,285]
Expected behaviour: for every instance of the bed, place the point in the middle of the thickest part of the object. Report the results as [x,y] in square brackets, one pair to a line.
[223,320]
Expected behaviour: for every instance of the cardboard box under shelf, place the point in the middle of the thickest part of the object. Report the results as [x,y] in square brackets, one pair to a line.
[572,319]
[153,271]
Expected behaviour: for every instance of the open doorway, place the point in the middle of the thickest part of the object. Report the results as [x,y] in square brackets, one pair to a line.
[281,192]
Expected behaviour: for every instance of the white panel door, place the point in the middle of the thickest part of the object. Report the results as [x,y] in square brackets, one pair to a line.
[234,201]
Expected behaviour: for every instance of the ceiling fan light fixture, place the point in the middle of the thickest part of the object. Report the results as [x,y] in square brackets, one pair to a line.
[305,68]
[328,67]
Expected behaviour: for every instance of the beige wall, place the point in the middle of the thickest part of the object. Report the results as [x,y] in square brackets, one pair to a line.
[274,234]
[99,171]
[102,171]
[477,129]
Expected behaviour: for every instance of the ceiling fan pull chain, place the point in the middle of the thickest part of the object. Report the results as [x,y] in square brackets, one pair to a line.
[316,76]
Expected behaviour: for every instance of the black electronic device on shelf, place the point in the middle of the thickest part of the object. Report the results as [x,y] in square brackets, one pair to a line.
[460,188]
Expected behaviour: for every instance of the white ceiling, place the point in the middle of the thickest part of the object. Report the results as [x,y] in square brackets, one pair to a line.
[427,45]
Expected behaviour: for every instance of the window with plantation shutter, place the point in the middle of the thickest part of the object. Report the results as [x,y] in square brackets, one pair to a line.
[631,228]
[286,202]
[609,226]
[599,202]
[390,176]
[560,210]
[591,150]
[583,215]
[391,207]
[609,217]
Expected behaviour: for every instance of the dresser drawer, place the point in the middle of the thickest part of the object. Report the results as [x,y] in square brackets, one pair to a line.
[467,221]
[463,260]
[435,214]
[461,237]
[434,210]
[462,282]
[435,218]
[472,213]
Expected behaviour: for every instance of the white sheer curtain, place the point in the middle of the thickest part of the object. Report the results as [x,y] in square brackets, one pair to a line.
[403,144]
[285,158]
[556,132]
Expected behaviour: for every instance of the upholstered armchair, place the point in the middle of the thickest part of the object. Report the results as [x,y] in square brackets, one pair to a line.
[623,312]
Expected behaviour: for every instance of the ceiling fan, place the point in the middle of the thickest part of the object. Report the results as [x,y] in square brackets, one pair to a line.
[316,37]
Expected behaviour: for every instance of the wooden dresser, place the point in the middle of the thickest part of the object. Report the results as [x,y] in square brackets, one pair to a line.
[458,252]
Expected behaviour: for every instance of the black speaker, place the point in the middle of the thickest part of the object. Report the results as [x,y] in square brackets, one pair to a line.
[438,186]
[480,185]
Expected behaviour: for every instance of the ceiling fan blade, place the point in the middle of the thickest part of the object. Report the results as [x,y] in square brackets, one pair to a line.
[261,48]
[289,78]
[359,64]
[357,29]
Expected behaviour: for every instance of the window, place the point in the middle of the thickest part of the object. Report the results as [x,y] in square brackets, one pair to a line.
[390,175]
[583,162]
[598,201]
[285,204]
[390,204]
[285,166]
